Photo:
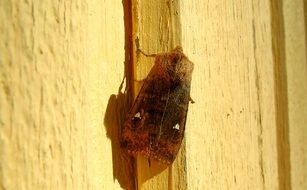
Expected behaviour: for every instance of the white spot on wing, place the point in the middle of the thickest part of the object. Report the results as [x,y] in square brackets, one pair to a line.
[176,126]
[137,115]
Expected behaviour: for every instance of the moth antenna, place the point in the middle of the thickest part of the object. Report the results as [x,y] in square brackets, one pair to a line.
[138,49]
[145,54]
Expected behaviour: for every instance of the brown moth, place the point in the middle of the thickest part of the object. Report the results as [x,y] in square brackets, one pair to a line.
[155,125]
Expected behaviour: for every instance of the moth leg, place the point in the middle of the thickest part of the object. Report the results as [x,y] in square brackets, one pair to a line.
[139,81]
[149,162]
[191,100]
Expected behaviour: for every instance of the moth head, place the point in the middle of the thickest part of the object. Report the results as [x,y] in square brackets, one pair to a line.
[176,55]
[181,65]
[171,58]
[174,64]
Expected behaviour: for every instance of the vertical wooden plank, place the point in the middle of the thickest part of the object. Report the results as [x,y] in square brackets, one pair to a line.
[231,143]
[156,28]
[296,72]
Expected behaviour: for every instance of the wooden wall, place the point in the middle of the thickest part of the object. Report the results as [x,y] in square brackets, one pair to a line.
[63,97]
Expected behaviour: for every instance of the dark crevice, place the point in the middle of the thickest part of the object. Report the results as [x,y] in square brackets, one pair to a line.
[281,96]
[118,105]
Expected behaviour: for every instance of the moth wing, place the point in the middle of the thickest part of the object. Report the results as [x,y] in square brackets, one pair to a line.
[168,143]
[155,125]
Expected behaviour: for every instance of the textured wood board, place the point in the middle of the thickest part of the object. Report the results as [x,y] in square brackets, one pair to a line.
[296,72]
[232,144]
[60,63]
